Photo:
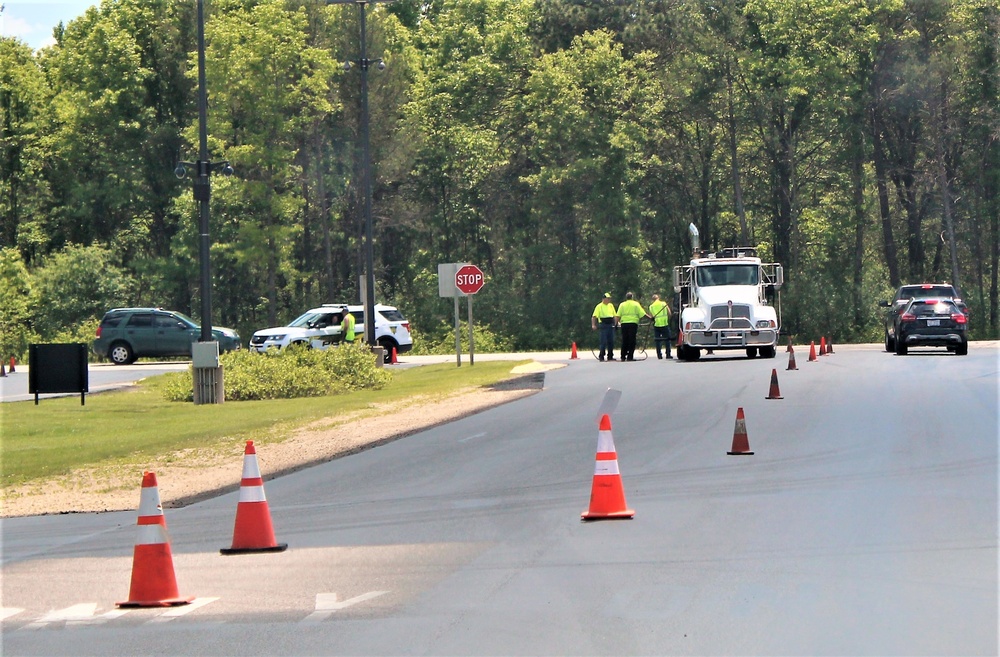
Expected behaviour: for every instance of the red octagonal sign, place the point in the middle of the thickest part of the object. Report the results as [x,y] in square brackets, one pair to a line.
[469,279]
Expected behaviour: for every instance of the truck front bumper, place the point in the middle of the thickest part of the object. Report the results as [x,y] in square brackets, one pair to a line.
[731,338]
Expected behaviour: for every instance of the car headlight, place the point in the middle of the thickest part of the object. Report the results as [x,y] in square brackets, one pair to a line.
[275,338]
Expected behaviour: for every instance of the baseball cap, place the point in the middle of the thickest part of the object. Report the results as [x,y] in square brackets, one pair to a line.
[607,295]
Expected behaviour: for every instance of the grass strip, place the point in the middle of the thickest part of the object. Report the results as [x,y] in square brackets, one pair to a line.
[137,424]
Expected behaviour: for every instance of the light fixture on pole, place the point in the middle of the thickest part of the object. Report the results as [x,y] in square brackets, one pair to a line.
[364,63]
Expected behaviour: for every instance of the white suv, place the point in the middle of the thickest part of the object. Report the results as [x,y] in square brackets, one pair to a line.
[320,327]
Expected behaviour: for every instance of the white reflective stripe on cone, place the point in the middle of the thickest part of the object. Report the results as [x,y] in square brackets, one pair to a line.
[605,442]
[250,468]
[606,468]
[252,494]
[151,535]
[149,502]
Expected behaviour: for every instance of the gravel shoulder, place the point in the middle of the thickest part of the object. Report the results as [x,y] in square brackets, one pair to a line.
[190,475]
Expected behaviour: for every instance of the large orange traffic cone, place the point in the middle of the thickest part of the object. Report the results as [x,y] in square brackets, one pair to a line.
[822,346]
[11,364]
[607,496]
[812,351]
[791,360]
[774,393]
[572,353]
[253,531]
[741,443]
[392,357]
[153,582]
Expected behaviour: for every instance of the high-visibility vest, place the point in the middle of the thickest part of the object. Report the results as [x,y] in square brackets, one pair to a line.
[604,311]
[630,312]
[349,328]
[660,312]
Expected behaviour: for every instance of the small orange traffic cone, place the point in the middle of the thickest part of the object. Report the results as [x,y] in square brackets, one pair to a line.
[11,364]
[392,357]
[741,443]
[774,393]
[572,353]
[607,496]
[253,531]
[822,346]
[829,347]
[153,582]
[791,360]
[789,347]
[3,372]
[812,351]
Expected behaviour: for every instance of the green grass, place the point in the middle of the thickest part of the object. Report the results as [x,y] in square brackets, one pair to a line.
[135,425]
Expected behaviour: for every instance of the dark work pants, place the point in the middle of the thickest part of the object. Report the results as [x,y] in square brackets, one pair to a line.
[629,332]
[607,340]
[661,334]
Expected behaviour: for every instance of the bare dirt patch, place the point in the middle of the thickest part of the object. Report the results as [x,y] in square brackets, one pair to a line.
[194,474]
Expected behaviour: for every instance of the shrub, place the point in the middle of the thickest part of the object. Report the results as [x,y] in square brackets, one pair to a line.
[289,373]
[442,340]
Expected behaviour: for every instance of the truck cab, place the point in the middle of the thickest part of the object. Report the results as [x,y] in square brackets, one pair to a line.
[728,300]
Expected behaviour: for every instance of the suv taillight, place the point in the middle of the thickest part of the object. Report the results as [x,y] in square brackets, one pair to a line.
[907,317]
[99,330]
[959,318]
[406,325]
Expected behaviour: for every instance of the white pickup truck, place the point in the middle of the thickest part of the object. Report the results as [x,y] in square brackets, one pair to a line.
[728,300]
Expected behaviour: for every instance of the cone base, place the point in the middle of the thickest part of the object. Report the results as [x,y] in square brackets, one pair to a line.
[169,602]
[774,397]
[627,514]
[280,547]
[740,453]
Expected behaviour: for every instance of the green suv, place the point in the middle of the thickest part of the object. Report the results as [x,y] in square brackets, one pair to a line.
[126,334]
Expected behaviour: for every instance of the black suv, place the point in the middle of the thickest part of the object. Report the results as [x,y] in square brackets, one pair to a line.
[921,291]
[126,334]
[931,323]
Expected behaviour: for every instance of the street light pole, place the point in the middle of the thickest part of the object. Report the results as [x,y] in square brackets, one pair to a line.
[366,181]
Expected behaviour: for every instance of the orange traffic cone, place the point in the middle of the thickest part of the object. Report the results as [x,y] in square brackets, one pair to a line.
[822,346]
[153,582]
[741,443]
[253,531]
[829,347]
[392,357]
[3,372]
[789,347]
[791,360]
[572,353]
[11,364]
[774,393]
[812,351]
[607,496]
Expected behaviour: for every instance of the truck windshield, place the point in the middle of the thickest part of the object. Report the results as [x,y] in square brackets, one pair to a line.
[710,275]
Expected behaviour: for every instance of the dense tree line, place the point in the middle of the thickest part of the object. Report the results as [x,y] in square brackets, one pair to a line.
[562,145]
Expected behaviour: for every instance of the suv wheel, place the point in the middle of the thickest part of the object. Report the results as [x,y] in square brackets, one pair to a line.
[121,354]
[890,344]
[901,348]
[962,349]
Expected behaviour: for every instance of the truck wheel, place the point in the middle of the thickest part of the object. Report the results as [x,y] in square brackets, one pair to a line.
[751,352]
[768,352]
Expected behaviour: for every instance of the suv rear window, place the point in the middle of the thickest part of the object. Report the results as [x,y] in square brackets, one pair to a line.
[393,315]
[111,321]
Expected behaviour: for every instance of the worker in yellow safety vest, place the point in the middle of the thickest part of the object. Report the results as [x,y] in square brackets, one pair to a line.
[629,313]
[347,326]
[660,310]
[604,315]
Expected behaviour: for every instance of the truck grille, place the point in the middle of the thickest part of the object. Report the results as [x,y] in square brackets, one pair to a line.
[739,310]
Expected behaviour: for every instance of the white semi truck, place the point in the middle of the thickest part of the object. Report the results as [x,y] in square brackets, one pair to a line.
[728,300]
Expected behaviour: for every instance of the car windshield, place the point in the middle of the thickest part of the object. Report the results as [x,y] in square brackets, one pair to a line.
[307,319]
[187,320]
[926,291]
[711,275]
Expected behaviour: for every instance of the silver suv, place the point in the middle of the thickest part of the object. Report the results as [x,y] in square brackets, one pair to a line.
[320,327]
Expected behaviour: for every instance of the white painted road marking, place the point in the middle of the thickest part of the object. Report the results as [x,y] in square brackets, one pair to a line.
[70,615]
[326,604]
[472,437]
[177,612]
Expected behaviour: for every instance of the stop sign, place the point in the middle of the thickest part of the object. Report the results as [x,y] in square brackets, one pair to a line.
[469,279]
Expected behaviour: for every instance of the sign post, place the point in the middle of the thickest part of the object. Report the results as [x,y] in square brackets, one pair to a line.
[456,280]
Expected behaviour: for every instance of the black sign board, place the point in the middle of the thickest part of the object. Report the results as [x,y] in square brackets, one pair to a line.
[55,368]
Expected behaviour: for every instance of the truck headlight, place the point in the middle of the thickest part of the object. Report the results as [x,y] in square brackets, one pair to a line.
[694,326]
[765,323]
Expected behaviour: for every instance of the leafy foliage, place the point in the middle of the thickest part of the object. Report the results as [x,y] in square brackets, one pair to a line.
[292,372]
[442,340]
